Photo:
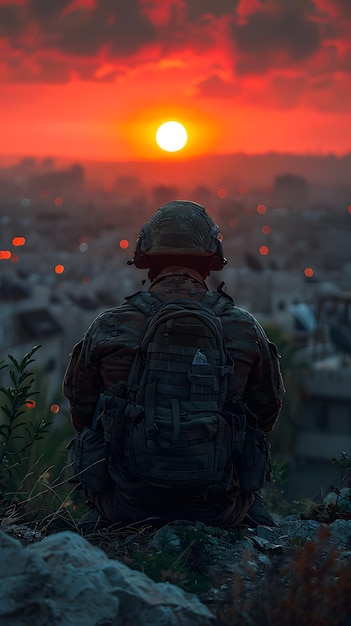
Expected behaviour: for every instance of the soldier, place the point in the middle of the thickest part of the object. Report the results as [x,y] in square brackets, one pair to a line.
[179,246]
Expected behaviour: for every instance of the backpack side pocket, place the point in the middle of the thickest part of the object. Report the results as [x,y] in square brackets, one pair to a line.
[87,456]
[253,464]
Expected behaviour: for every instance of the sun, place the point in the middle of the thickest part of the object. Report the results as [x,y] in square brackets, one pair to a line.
[171,136]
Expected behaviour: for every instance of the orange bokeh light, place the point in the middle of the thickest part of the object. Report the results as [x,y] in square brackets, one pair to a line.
[233,222]
[124,243]
[349,208]
[266,229]
[55,408]
[308,271]
[263,250]
[18,241]
[242,189]
[30,404]
[222,193]
[5,255]
[261,209]
[58,201]
[14,258]
[59,269]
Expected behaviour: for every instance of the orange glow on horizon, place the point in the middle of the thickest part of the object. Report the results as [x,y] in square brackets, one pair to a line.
[98,134]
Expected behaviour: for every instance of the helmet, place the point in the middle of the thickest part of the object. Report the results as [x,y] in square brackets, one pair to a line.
[180,229]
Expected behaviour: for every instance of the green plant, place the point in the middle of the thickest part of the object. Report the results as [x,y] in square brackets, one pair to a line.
[274,492]
[16,435]
[32,453]
[185,567]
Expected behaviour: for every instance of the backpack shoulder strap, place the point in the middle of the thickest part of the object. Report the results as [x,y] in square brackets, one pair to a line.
[216,301]
[144,301]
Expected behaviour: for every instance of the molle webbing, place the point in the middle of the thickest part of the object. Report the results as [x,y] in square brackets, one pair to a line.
[176,431]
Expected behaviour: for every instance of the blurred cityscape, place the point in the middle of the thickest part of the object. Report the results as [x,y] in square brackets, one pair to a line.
[65,240]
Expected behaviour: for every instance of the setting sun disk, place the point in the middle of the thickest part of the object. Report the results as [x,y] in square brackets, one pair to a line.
[171,136]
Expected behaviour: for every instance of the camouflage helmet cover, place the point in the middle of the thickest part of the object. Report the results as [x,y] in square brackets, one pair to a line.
[180,228]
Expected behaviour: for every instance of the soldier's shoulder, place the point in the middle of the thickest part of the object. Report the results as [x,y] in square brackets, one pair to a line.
[113,315]
[237,313]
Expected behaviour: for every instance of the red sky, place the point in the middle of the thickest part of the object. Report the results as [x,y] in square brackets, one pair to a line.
[95,78]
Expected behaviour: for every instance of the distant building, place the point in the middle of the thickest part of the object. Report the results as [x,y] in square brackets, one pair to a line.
[290,192]
[24,324]
[58,183]
[324,412]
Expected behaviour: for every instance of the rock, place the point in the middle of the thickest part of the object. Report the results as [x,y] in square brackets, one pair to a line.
[330,499]
[66,581]
[341,500]
[340,534]
[295,531]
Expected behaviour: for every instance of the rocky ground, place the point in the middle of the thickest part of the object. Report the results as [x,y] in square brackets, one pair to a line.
[297,573]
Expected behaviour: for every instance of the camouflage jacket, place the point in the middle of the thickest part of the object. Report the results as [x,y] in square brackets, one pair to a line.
[102,359]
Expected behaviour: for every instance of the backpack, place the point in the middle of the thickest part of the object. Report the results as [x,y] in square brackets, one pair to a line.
[172,429]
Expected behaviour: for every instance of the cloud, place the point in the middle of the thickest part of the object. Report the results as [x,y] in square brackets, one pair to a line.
[115,25]
[287,49]
[274,39]
[196,9]
[76,33]
[216,87]
[11,24]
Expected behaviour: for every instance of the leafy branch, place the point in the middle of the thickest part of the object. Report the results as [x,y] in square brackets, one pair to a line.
[17,435]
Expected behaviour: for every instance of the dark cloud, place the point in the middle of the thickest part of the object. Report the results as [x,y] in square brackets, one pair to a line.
[44,11]
[269,39]
[334,7]
[197,8]
[11,24]
[52,39]
[42,28]
[115,24]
